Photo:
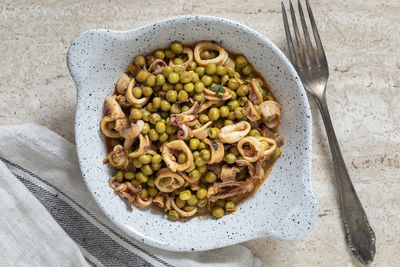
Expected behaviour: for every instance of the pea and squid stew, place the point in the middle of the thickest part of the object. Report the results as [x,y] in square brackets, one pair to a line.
[191,130]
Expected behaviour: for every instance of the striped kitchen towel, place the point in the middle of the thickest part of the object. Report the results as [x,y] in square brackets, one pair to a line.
[48,218]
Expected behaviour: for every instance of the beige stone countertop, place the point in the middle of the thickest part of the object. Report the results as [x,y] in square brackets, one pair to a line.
[362,43]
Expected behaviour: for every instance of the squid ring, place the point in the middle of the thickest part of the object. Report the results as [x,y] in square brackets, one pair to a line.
[122,83]
[234,132]
[175,180]
[107,131]
[255,151]
[185,64]
[169,158]
[133,100]
[206,45]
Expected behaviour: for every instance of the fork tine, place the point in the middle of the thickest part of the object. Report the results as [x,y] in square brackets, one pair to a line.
[309,50]
[320,49]
[292,53]
[300,46]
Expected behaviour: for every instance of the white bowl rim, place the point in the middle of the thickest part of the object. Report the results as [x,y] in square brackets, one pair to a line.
[299,85]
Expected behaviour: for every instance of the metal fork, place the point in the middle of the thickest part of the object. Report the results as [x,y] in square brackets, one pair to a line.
[312,67]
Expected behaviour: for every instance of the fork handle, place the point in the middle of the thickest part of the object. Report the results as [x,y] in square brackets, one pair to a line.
[359,234]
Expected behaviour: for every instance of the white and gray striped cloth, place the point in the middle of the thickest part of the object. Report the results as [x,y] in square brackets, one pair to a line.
[48,218]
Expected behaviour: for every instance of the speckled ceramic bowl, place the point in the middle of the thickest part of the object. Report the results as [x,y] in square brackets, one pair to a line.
[284,208]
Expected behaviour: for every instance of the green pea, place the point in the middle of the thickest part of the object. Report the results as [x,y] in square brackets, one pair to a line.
[194,143]
[199,87]
[142,76]
[147,91]
[178,61]
[224,79]
[171,96]
[137,92]
[233,84]
[183,96]
[160,127]
[219,124]
[238,113]
[111,125]
[200,71]
[147,170]
[156,158]
[215,79]
[224,111]
[140,61]
[233,199]
[210,177]
[163,137]
[213,114]
[195,77]
[240,61]
[189,87]
[185,195]
[156,166]
[192,200]
[136,162]
[160,79]
[185,77]
[231,116]
[166,70]
[175,108]
[254,133]
[159,54]
[192,66]
[166,87]
[135,182]
[205,154]
[115,142]
[170,129]
[205,54]
[141,177]
[176,47]
[194,175]
[247,70]
[165,105]
[214,133]
[119,176]
[181,158]
[211,68]
[198,97]
[178,87]
[221,70]
[146,115]
[232,105]
[218,212]
[153,135]
[201,193]
[228,122]
[233,95]
[243,90]
[156,102]
[229,70]
[154,118]
[152,191]
[230,158]
[203,118]
[180,203]
[173,77]
[169,54]
[234,150]
[207,80]
[145,159]
[201,146]
[235,75]
[151,108]
[178,70]
[184,108]
[199,161]
[173,215]
[151,80]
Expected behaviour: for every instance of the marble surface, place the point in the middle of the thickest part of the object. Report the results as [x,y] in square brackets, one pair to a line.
[361,40]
